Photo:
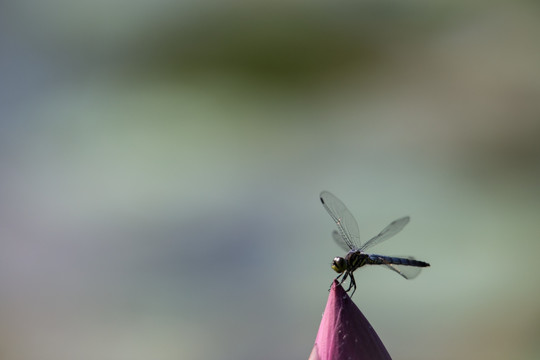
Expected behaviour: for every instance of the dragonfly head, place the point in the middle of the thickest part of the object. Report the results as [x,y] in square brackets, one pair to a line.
[339,264]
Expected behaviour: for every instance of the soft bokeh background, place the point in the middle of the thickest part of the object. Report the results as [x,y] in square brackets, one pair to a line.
[161,161]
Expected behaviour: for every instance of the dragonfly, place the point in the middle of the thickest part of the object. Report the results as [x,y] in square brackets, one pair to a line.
[348,237]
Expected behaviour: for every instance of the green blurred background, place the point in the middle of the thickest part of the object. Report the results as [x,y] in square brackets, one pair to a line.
[161,161]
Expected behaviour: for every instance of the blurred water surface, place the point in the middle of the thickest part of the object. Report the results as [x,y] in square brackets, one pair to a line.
[160,165]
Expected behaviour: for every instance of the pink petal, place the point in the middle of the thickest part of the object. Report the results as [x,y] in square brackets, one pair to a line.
[345,333]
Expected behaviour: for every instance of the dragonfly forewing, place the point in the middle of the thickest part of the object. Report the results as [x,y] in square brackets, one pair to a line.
[392,229]
[340,241]
[345,221]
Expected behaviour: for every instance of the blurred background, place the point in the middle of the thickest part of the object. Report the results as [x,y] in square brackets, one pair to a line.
[161,164]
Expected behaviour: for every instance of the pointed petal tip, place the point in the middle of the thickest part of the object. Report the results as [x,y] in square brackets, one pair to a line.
[344,331]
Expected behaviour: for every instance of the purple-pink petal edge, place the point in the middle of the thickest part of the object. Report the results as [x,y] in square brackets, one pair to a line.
[345,333]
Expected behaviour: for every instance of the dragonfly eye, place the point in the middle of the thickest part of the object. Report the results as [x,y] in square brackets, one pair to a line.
[339,264]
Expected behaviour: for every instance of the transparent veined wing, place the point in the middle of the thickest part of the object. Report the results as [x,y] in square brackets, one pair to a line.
[339,240]
[389,231]
[345,221]
[408,272]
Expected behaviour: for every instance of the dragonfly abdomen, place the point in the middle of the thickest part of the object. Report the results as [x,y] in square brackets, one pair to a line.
[381,259]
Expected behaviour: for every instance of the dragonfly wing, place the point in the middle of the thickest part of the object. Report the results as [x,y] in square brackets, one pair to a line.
[389,231]
[339,240]
[407,271]
[345,221]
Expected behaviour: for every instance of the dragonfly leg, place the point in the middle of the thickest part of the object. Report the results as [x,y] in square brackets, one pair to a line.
[353,284]
[337,278]
[344,278]
[350,285]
